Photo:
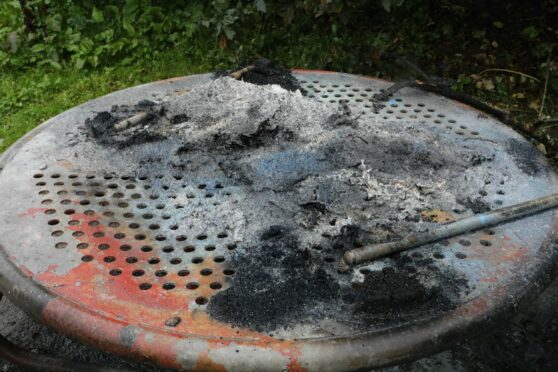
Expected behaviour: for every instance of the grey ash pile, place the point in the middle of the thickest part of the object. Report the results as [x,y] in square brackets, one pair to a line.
[311,180]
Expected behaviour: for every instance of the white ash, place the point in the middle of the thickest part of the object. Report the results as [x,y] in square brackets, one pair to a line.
[301,163]
[409,196]
[232,107]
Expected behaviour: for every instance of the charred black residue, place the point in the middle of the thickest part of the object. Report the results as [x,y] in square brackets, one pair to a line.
[476,205]
[101,126]
[351,236]
[138,138]
[398,292]
[390,292]
[480,159]
[278,284]
[265,135]
[526,156]
[180,118]
[265,72]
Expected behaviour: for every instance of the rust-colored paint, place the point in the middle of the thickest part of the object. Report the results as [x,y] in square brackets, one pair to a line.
[205,364]
[66,164]
[32,212]
[294,365]
[477,306]
[119,301]
[437,215]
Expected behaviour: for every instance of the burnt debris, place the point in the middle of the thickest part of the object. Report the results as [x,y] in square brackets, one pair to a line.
[264,72]
[526,156]
[278,285]
[281,285]
[389,292]
[102,127]
[476,205]
[307,181]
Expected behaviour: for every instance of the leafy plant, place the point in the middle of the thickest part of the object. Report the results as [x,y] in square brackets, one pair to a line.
[447,38]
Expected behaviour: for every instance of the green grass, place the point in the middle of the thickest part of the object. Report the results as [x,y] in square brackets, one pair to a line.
[33,96]
[456,41]
[30,97]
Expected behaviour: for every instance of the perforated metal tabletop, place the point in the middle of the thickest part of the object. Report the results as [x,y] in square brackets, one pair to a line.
[105,251]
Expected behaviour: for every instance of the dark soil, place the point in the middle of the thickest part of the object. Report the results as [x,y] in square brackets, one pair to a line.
[265,72]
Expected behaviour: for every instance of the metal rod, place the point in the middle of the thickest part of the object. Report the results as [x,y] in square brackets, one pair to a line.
[468,224]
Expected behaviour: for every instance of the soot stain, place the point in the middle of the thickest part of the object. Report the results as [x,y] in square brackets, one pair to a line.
[526,156]
[398,292]
[279,284]
[475,205]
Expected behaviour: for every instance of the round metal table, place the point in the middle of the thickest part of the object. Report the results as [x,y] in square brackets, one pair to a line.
[71,257]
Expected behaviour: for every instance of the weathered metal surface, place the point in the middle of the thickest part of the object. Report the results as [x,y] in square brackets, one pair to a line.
[450,230]
[91,263]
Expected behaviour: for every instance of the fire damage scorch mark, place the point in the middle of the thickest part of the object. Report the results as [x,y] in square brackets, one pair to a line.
[311,181]
[282,285]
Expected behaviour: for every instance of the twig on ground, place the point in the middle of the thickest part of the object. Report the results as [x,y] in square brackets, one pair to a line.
[545,86]
[511,72]
[238,74]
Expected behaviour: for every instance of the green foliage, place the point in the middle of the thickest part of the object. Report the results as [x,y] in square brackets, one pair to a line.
[85,35]
[47,42]
[89,35]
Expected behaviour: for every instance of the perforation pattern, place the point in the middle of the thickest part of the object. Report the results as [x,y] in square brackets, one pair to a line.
[120,223]
[82,231]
